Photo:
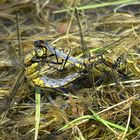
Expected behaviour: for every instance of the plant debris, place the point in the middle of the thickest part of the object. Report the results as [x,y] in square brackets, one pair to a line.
[102,104]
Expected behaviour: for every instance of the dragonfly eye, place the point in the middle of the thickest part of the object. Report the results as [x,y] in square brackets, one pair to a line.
[38,43]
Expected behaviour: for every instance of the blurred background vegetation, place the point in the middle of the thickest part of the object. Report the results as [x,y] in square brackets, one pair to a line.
[104,107]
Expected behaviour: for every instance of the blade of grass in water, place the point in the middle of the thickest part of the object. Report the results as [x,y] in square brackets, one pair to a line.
[37,114]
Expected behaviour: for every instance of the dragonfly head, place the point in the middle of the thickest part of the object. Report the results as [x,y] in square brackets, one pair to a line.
[38,43]
[40,50]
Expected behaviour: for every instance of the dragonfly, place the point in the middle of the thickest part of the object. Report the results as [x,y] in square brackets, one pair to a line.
[44,46]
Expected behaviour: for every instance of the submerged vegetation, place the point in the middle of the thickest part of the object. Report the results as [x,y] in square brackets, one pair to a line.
[103,102]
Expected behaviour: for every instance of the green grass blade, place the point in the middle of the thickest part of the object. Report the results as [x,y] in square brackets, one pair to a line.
[94,6]
[95,117]
[75,122]
[106,123]
[37,114]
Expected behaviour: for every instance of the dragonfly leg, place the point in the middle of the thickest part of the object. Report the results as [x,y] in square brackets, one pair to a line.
[55,54]
[65,61]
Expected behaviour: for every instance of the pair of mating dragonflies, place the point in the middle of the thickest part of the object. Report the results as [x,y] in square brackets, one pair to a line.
[40,55]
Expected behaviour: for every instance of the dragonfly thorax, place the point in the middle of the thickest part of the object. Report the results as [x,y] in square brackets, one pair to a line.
[40,51]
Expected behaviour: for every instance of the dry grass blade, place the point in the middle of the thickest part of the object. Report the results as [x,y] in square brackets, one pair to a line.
[8,102]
